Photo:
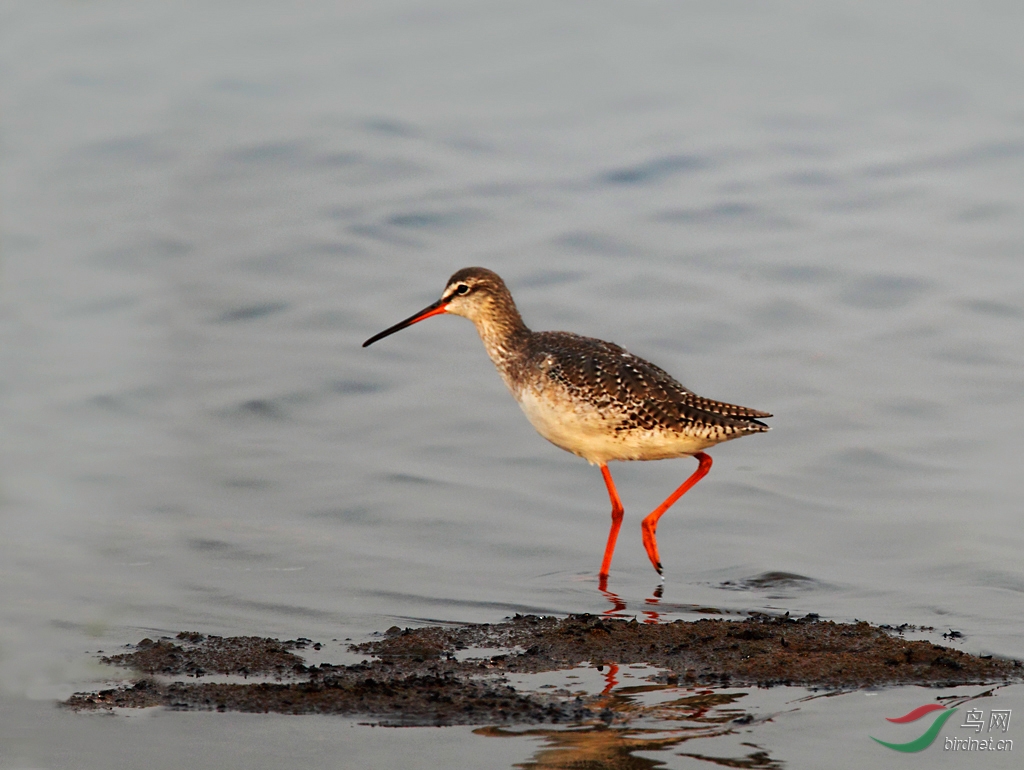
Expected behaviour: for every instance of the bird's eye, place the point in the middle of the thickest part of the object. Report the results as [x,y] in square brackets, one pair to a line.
[462,289]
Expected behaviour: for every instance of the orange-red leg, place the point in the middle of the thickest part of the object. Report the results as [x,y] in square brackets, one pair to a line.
[650,523]
[613,533]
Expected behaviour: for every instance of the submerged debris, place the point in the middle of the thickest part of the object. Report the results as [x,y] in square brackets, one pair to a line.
[417,679]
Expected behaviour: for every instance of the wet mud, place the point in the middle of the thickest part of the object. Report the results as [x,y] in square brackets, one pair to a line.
[460,675]
[193,654]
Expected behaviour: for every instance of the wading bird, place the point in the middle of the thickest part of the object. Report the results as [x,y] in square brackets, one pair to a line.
[591,397]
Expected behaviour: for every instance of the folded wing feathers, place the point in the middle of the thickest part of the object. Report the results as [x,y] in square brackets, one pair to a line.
[633,382]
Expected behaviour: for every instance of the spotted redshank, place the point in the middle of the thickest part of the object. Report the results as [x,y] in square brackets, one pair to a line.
[591,397]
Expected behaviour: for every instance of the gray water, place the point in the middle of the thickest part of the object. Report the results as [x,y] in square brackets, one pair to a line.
[812,210]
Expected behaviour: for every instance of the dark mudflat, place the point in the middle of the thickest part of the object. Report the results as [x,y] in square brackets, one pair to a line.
[193,654]
[416,678]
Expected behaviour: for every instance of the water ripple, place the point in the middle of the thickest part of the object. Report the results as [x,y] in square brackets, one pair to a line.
[883,292]
[654,170]
[250,312]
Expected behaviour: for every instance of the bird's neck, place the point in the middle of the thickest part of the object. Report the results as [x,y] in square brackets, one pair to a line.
[502,331]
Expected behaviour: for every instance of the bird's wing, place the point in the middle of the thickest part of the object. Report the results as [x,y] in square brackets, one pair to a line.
[607,374]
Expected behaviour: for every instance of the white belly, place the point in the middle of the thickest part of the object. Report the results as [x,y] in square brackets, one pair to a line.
[581,429]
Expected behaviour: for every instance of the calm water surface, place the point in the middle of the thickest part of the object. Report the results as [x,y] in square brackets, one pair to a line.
[206,209]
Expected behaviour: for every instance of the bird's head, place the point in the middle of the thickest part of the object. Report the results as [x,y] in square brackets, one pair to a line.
[475,293]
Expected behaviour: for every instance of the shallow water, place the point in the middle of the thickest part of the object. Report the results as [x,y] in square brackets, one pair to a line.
[814,211]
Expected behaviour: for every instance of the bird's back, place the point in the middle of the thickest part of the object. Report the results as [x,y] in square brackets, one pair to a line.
[597,400]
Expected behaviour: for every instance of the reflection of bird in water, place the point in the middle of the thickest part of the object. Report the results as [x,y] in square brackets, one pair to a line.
[591,397]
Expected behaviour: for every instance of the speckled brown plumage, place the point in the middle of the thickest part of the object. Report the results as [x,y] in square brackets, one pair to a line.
[633,393]
[591,397]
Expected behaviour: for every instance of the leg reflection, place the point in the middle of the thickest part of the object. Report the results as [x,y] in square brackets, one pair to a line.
[618,605]
[653,616]
[611,679]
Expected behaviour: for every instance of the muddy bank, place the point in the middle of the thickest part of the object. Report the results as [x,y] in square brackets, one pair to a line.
[457,675]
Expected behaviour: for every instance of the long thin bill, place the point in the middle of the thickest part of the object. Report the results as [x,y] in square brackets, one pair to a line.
[435,309]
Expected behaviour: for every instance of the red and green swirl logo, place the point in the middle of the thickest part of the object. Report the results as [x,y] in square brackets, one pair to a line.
[926,738]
